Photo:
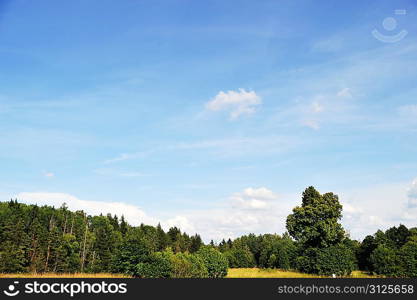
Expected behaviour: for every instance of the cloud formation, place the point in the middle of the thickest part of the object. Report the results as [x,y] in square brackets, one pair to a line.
[133,214]
[253,198]
[412,194]
[238,103]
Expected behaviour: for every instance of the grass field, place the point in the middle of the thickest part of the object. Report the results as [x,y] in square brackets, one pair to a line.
[274,273]
[63,275]
[233,273]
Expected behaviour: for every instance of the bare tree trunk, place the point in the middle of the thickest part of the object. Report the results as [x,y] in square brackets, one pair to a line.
[47,256]
[48,252]
[65,225]
[72,224]
[85,241]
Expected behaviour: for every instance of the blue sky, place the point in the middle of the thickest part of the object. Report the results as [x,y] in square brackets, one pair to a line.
[210,115]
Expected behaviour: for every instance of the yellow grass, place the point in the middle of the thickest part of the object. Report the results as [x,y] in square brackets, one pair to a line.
[63,275]
[232,273]
[275,273]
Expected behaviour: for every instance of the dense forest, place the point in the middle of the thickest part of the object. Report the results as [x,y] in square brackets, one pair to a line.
[47,239]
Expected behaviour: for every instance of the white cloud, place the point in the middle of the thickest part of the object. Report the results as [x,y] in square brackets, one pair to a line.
[408,110]
[313,124]
[127,156]
[118,173]
[412,194]
[316,107]
[252,198]
[320,108]
[344,93]
[48,174]
[239,102]
[232,146]
[181,222]
[133,214]
[365,210]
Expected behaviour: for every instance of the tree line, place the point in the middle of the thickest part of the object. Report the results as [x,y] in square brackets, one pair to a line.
[316,243]
[46,239]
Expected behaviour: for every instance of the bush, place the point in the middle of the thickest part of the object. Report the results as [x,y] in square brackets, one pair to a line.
[129,255]
[215,261]
[240,257]
[408,254]
[338,259]
[158,265]
[306,262]
[386,262]
[186,265]
[278,254]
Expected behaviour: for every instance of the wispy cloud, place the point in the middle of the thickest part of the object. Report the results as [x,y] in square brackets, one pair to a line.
[412,194]
[253,198]
[127,156]
[119,173]
[48,174]
[238,103]
[226,147]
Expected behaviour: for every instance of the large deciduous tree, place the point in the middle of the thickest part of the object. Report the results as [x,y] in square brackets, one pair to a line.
[316,222]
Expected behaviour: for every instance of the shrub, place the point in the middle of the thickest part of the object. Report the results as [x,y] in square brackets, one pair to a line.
[306,262]
[408,254]
[386,262]
[186,265]
[129,254]
[158,265]
[214,260]
[338,259]
[240,257]
[278,254]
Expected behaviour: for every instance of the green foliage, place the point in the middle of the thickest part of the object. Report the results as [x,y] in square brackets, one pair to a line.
[337,259]
[315,222]
[156,265]
[365,250]
[131,252]
[214,260]
[397,236]
[408,255]
[386,262]
[240,257]
[12,258]
[185,265]
[47,239]
[278,253]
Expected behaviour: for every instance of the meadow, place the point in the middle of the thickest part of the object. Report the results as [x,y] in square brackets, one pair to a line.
[277,273]
[63,275]
[232,273]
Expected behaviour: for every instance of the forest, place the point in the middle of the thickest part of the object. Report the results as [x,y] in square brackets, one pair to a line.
[45,239]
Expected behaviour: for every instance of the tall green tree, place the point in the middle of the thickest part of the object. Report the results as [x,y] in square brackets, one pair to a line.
[316,222]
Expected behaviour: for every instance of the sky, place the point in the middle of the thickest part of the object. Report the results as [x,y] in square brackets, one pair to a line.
[212,116]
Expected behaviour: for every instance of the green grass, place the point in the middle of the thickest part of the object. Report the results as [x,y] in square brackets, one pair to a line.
[275,273]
